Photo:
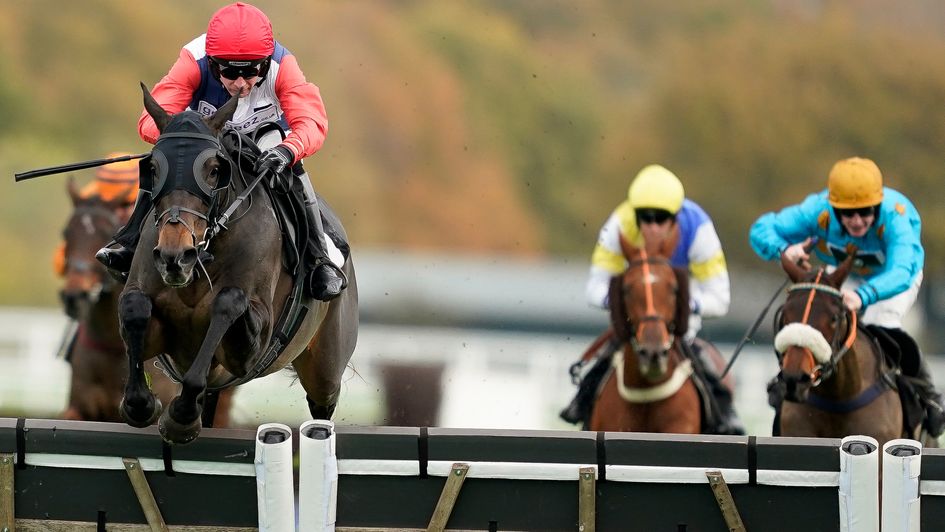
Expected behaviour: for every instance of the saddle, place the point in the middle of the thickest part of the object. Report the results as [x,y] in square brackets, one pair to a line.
[288,207]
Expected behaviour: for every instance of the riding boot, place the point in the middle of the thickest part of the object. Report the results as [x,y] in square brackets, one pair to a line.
[914,367]
[117,259]
[324,280]
[931,400]
[728,421]
[580,407]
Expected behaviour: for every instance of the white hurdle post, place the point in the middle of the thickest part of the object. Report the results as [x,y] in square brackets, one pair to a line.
[859,484]
[318,476]
[902,463]
[275,494]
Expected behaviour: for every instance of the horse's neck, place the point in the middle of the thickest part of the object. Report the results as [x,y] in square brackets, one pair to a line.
[857,370]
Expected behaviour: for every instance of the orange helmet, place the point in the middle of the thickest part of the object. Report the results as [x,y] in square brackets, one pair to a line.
[854,183]
[115,180]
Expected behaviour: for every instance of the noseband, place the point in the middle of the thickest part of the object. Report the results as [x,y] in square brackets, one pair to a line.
[823,369]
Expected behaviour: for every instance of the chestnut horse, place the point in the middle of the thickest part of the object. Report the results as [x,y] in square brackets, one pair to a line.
[89,296]
[834,380]
[220,326]
[649,388]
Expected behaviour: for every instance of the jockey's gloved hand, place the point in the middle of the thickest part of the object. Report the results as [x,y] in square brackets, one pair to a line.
[278,161]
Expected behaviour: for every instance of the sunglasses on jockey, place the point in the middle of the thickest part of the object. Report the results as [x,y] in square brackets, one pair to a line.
[653,216]
[862,211]
[233,69]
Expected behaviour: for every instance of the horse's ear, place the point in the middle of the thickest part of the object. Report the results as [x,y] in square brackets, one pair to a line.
[795,271]
[219,118]
[73,190]
[160,116]
[843,269]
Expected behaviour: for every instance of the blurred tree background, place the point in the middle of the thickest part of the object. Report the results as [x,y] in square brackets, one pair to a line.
[506,127]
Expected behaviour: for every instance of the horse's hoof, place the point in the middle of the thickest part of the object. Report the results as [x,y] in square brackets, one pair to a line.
[141,416]
[174,432]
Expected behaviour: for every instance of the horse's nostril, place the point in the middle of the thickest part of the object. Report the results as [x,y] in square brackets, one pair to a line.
[188,257]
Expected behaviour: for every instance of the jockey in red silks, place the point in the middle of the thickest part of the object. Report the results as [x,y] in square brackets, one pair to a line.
[238,56]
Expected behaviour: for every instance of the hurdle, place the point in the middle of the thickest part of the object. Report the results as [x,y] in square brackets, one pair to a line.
[66,475]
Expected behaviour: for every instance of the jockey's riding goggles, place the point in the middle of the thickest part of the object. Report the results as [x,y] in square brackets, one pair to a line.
[653,216]
[239,68]
[862,211]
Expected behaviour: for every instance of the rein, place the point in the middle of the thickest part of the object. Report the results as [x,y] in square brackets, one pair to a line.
[826,369]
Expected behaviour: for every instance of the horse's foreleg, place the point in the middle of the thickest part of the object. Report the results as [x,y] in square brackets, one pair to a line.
[139,407]
[181,422]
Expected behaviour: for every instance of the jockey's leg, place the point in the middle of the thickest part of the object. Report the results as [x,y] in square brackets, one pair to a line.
[931,399]
[728,422]
[915,367]
[888,314]
[324,280]
[117,254]
[580,407]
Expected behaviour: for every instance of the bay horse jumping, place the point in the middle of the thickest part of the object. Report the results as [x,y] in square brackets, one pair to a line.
[649,388]
[89,295]
[218,324]
[834,379]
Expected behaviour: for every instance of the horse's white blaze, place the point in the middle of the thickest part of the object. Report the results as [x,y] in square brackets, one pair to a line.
[803,335]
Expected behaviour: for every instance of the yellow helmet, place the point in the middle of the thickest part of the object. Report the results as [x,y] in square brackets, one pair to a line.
[655,187]
[854,183]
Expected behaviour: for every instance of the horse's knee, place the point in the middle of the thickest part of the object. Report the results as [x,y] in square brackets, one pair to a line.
[134,309]
[230,303]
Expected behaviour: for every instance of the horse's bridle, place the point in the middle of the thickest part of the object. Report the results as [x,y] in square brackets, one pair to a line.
[183,146]
[823,370]
[87,213]
[632,328]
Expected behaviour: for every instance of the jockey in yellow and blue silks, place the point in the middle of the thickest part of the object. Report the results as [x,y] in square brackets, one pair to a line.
[886,229]
[657,191]
[656,203]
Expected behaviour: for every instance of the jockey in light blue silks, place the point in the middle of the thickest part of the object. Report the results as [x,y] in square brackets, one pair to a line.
[885,227]
[655,203]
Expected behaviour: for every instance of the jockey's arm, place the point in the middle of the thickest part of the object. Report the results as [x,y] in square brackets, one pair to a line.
[709,287]
[773,232]
[174,92]
[905,258]
[607,260]
[303,107]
